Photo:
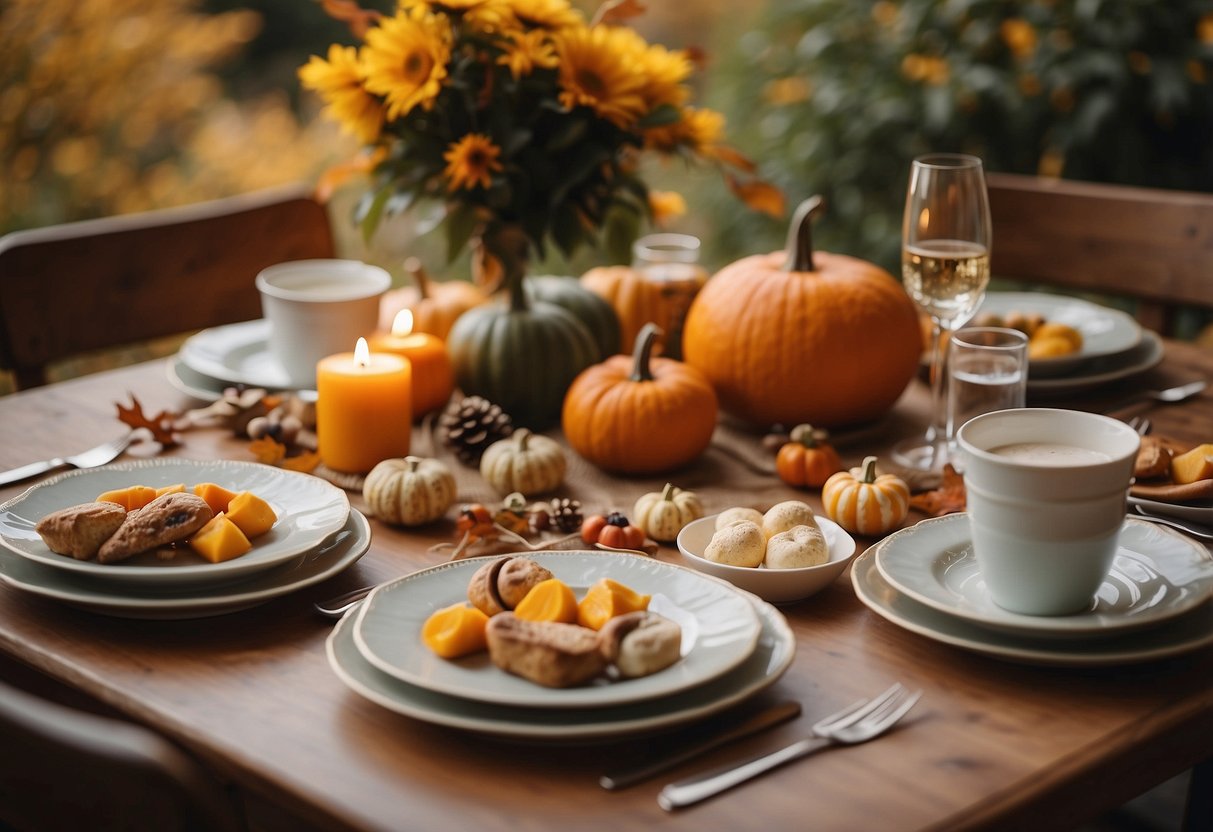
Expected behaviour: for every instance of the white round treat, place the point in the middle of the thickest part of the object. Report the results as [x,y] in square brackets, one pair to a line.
[740,544]
[786,515]
[732,515]
[798,547]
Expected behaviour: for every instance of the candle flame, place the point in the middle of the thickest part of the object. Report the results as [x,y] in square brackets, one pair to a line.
[362,353]
[402,324]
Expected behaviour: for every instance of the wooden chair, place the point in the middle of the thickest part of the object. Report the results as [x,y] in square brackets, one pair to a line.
[63,768]
[70,289]
[1153,246]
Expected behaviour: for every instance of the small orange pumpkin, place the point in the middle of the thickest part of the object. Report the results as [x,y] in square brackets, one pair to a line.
[808,458]
[864,503]
[638,414]
[843,328]
[613,530]
[435,306]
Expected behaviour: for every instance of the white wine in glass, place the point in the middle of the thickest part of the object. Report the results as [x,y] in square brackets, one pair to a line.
[945,267]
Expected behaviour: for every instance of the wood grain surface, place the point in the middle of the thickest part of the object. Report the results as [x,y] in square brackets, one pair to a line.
[992,745]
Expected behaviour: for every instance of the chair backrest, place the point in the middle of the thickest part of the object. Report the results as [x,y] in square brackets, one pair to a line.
[1151,245]
[73,288]
[61,768]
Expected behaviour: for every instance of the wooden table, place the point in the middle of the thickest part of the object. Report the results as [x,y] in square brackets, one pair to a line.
[992,744]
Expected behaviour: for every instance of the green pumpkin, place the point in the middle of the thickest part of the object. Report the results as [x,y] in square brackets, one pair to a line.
[521,355]
[595,312]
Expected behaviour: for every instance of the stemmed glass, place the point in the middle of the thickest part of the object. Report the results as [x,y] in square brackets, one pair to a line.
[945,266]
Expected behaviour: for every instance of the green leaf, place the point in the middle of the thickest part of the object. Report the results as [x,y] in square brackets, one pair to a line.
[567,230]
[567,135]
[661,116]
[374,214]
[620,230]
[461,224]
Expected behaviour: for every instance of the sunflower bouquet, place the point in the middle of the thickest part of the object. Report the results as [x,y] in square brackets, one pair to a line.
[522,119]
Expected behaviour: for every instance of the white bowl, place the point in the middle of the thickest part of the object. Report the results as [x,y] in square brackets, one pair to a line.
[778,586]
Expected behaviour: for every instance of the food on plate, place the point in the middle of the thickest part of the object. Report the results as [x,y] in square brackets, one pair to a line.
[455,631]
[550,600]
[130,498]
[740,544]
[216,496]
[786,515]
[864,502]
[501,583]
[662,514]
[798,547]
[607,599]
[219,540]
[251,513]
[641,643]
[168,519]
[736,514]
[1046,339]
[1193,466]
[546,652]
[1025,322]
[1154,457]
[807,458]
[80,530]
[175,488]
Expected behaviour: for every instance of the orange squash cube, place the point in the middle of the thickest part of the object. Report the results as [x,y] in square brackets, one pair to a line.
[251,513]
[607,599]
[130,498]
[455,631]
[220,540]
[170,489]
[216,496]
[550,600]
[1194,465]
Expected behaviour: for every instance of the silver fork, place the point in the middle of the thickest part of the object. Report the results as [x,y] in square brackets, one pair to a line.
[1140,424]
[856,723]
[103,453]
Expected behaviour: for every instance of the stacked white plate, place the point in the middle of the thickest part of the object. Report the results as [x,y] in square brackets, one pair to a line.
[316,536]
[733,646]
[1157,601]
[214,359]
[1114,346]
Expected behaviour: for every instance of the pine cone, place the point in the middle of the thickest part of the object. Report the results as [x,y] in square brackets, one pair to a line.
[470,425]
[566,514]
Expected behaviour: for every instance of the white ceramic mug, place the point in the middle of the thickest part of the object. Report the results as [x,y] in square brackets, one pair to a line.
[1045,491]
[318,308]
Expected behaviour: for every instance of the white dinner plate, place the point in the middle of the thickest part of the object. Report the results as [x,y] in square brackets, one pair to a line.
[1156,575]
[771,657]
[237,354]
[308,508]
[337,553]
[719,630]
[1171,638]
[1195,513]
[199,386]
[1104,331]
[1100,371]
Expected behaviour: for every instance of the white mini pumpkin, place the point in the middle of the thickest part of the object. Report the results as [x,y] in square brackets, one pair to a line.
[410,491]
[662,514]
[525,462]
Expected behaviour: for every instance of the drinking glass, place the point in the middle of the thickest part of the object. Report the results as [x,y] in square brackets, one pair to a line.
[945,267]
[987,371]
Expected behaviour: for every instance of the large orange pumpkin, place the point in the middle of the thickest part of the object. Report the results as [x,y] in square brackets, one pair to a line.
[435,306]
[638,414]
[798,336]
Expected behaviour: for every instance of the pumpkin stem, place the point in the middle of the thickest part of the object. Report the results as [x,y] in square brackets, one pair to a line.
[509,247]
[417,272]
[868,475]
[411,463]
[522,436]
[669,491]
[799,247]
[809,436]
[642,352]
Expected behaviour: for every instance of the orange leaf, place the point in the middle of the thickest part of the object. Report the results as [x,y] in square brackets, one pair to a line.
[615,12]
[758,195]
[358,18]
[336,176]
[305,462]
[268,450]
[731,156]
[948,498]
[161,425]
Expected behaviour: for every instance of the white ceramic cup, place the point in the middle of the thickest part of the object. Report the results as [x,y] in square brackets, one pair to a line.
[317,308]
[1045,522]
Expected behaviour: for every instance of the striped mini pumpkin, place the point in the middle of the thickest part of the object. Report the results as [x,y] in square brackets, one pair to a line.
[864,503]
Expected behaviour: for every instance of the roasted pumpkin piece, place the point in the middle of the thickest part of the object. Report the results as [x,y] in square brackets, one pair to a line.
[175,488]
[454,631]
[220,540]
[216,496]
[607,599]
[130,498]
[1195,465]
[251,513]
[550,600]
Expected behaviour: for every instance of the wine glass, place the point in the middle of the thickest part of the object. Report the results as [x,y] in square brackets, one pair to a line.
[945,266]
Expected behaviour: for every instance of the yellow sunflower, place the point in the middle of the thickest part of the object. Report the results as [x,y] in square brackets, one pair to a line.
[697,129]
[405,59]
[599,69]
[550,14]
[471,161]
[527,51]
[339,83]
[665,72]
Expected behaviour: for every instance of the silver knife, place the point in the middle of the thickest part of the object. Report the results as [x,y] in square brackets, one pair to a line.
[767,718]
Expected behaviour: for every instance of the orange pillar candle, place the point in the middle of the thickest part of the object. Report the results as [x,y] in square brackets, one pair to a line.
[363,409]
[433,376]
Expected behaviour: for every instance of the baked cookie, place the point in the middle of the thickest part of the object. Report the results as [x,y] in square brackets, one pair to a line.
[80,530]
[170,518]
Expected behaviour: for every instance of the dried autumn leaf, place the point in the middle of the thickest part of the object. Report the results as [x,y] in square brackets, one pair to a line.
[358,18]
[616,12]
[268,450]
[732,156]
[337,175]
[305,462]
[161,425]
[758,195]
[949,497]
